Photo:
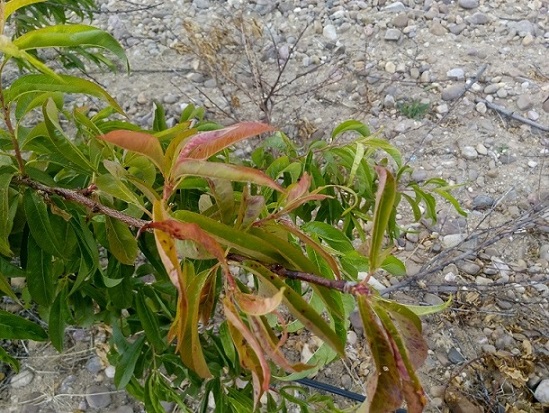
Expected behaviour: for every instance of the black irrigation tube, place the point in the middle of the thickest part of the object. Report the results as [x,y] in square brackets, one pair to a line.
[337,391]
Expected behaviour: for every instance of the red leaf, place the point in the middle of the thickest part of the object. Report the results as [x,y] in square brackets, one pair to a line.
[205,144]
[139,142]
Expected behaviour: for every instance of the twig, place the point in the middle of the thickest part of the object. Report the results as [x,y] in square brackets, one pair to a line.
[509,113]
[80,198]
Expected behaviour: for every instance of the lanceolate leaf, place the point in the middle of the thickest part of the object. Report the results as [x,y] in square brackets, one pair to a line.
[14,327]
[256,305]
[75,35]
[126,365]
[220,170]
[193,232]
[40,225]
[351,125]
[410,350]
[384,387]
[59,314]
[298,307]
[188,341]
[39,274]
[122,242]
[7,212]
[255,362]
[139,142]
[385,199]
[62,83]
[149,322]
[205,144]
[13,5]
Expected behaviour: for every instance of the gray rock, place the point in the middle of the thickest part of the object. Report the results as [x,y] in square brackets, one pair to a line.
[506,158]
[98,397]
[542,391]
[393,35]
[482,202]
[123,409]
[455,356]
[478,18]
[468,4]
[456,74]
[457,28]
[438,29]
[545,105]
[201,4]
[493,88]
[419,175]
[452,92]
[544,252]
[395,7]
[400,21]
[451,240]
[468,152]
[524,102]
[469,267]
[505,342]
[523,27]
[483,280]
[329,32]
[22,379]
[432,299]
[94,365]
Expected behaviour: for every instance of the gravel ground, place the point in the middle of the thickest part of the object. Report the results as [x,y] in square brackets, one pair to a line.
[458,66]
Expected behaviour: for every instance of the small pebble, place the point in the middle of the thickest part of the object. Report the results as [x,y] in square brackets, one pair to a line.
[468,4]
[22,379]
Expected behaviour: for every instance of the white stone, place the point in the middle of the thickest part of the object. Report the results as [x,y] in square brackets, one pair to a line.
[542,391]
[329,32]
[451,240]
[481,108]
[481,149]
[390,67]
[110,371]
[532,164]
[457,73]
[22,379]
[468,152]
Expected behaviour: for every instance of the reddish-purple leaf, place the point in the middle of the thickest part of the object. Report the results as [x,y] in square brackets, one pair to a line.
[139,142]
[300,188]
[220,170]
[384,387]
[205,144]
[190,231]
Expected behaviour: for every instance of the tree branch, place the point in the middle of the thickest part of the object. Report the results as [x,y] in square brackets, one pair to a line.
[82,199]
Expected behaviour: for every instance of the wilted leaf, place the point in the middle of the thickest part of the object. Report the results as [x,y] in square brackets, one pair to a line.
[165,245]
[255,305]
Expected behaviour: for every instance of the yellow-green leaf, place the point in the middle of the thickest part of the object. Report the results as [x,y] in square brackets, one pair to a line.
[122,243]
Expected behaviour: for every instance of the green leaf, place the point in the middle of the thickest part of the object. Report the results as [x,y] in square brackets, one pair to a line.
[242,242]
[126,365]
[64,145]
[63,83]
[40,225]
[220,170]
[139,142]
[152,400]
[14,327]
[33,100]
[122,242]
[159,121]
[40,281]
[75,35]
[351,125]
[13,5]
[385,199]
[149,322]
[7,212]
[447,196]
[332,236]
[394,266]
[59,314]
[421,310]
[7,358]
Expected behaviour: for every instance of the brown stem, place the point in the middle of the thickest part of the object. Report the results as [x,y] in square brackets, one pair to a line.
[82,199]
[9,125]
[347,287]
